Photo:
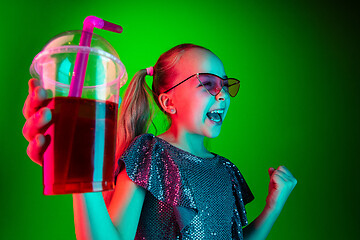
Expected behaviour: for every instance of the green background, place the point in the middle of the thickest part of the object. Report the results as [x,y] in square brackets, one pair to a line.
[298,104]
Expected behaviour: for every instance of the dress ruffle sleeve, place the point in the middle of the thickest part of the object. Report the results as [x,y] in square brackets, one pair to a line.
[243,196]
[177,185]
[149,165]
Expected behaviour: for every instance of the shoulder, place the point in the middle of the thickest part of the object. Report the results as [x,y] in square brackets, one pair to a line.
[239,181]
[143,138]
[233,171]
[148,164]
[230,165]
[141,143]
[226,162]
[146,146]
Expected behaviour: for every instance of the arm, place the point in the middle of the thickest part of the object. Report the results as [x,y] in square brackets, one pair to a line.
[91,217]
[282,182]
[261,226]
[94,221]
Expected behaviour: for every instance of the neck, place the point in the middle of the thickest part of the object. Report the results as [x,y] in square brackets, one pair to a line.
[190,142]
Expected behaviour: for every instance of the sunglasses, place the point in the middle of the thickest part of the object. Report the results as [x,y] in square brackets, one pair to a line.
[213,84]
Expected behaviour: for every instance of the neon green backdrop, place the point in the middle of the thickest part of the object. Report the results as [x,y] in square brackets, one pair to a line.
[298,103]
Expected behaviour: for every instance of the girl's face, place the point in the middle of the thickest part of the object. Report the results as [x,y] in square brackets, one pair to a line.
[191,100]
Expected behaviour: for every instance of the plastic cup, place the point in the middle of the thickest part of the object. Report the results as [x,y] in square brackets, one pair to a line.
[81,154]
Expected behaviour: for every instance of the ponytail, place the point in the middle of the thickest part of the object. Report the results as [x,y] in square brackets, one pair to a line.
[135,114]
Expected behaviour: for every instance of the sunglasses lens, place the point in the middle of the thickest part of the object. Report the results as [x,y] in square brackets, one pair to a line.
[211,83]
[214,84]
[233,86]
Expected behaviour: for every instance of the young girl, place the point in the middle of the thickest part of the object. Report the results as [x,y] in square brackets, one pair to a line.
[169,186]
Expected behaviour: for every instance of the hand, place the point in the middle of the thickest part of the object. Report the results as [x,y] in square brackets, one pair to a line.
[282,182]
[38,119]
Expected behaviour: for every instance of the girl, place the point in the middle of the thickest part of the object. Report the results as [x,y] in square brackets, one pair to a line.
[169,186]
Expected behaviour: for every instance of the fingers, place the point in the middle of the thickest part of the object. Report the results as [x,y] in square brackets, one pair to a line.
[35,99]
[36,148]
[285,170]
[271,170]
[37,123]
[33,83]
[279,177]
[285,175]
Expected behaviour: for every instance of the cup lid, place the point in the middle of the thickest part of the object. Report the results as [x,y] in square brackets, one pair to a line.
[69,41]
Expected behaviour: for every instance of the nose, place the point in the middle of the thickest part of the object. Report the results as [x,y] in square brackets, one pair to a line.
[222,95]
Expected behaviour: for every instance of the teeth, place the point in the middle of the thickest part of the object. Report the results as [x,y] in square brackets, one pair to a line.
[217,111]
[215,115]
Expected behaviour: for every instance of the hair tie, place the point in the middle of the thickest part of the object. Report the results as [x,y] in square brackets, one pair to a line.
[150,71]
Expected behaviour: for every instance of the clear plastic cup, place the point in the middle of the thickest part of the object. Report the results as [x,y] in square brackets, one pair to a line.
[81,154]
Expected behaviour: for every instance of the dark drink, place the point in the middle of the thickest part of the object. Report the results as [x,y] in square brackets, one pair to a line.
[81,154]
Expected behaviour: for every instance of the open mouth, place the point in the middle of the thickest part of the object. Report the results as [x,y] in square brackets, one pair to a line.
[216,115]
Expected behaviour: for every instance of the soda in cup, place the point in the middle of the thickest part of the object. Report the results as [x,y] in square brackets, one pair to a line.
[82,134]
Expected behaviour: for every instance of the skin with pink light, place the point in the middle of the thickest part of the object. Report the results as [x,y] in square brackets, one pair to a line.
[187,105]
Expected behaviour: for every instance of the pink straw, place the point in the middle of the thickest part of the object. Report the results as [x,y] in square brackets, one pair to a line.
[90,23]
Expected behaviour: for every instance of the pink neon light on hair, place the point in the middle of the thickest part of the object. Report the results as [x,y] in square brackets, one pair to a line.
[150,71]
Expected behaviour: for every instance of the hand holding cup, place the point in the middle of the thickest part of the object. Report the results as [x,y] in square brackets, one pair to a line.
[38,118]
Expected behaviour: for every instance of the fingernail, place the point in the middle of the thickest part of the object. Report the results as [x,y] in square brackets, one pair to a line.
[40,93]
[47,114]
[39,140]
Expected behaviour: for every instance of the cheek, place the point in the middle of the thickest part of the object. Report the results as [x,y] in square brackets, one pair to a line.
[187,110]
[193,110]
[197,113]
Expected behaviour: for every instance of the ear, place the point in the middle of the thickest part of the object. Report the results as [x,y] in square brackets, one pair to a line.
[167,103]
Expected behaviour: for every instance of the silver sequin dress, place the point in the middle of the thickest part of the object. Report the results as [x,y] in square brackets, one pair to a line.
[187,197]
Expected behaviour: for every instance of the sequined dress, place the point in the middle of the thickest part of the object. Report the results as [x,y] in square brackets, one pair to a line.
[187,197]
